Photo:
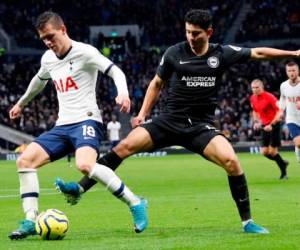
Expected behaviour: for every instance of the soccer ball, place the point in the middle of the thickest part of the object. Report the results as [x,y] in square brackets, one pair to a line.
[52,225]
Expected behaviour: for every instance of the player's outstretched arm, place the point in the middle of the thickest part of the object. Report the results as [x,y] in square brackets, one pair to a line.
[15,111]
[265,53]
[35,86]
[122,98]
[96,60]
[124,102]
[151,97]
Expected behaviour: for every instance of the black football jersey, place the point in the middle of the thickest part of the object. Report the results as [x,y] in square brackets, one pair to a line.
[193,81]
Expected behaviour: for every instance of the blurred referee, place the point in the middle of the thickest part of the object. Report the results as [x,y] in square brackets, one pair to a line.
[266,118]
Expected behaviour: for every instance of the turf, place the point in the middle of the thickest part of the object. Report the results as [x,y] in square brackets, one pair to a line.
[190,206]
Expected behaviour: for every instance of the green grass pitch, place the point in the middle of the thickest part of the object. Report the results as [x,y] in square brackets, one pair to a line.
[190,206]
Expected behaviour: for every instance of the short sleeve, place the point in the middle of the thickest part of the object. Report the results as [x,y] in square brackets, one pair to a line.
[233,54]
[273,99]
[252,103]
[165,68]
[281,102]
[282,90]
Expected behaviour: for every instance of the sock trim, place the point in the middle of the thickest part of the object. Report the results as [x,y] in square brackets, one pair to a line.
[32,194]
[91,173]
[245,222]
[27,170]
[119,192]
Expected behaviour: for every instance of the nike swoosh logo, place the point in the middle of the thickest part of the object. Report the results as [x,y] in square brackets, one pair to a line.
[184,62]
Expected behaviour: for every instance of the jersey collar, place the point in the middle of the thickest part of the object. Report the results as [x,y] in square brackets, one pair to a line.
[210,47]
[294,84]
[64,55]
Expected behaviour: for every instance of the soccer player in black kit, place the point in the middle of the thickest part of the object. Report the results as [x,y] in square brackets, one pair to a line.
[191,71]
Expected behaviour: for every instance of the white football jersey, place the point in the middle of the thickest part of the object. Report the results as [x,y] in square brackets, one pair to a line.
[74,77]
[113,129]
[289,96]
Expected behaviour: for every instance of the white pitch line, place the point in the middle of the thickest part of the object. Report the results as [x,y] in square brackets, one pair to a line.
[43,194]
[17,189]
[17,195]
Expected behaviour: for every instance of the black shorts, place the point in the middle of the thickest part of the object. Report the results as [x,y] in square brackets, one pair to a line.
[168,131]
[272,138]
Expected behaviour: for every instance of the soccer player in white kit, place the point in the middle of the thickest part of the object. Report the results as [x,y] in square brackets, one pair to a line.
[73,68]
[113,129]
[290,102]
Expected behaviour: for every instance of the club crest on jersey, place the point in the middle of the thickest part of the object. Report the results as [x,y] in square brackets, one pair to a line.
[213,62]
[71,64]
[236,48]
[64,86]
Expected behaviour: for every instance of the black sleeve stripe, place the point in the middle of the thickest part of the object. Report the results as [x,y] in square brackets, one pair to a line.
[44,79]
[108,69]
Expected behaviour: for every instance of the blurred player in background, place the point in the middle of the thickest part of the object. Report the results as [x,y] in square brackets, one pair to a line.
[290,103]
[73,68]
[113,131]
[266,118]
[192,73]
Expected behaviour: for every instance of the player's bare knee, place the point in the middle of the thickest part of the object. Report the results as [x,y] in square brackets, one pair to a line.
[84,167]
[124,148]
[264,151]
[20,162]
[23,162]
[231,165]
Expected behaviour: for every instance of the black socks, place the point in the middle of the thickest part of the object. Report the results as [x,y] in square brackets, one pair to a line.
[111,160]
[282,164]
[239,192]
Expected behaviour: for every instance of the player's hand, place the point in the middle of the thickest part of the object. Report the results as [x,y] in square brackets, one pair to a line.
[136,121]
[15,111]
[256,126]
[268,128]
[124,102]
[298,105]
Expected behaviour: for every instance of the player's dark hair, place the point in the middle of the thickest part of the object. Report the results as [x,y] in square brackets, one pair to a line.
[199,17]
[48,17]
[291,63]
